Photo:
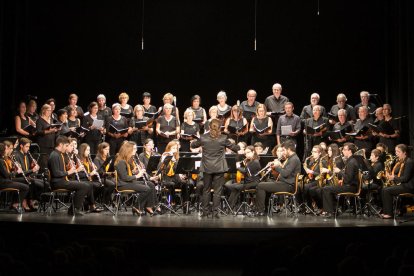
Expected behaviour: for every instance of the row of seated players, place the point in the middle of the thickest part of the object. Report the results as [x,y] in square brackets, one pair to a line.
[250,122]
[72,169]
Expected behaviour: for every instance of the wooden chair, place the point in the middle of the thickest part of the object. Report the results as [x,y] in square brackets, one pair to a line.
[122,197]
[397,201]
[286,197]
[349,195]
[6,191]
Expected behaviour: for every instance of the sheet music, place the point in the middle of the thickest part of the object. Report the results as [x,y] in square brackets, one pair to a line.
[98,123]
[197,164]
[286,130]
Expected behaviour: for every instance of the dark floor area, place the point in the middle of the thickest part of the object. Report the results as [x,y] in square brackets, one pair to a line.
[101,244]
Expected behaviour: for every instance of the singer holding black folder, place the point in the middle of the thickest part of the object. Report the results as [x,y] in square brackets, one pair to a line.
[46,134]
[116,128]
[213,165]
[314,129]
[139,130]
[261,127]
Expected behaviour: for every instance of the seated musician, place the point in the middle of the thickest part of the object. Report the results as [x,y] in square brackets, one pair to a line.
[349,180]
[30,169]
[313,166]
[249,167]
[286,180]
[90,175]
[6,175]
[59,175]
[104,173]
[400,179]
[169,178]
[145,156]
[130,177]
[73,159]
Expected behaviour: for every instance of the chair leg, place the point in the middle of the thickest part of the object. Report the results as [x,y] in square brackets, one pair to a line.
[337,205]
[117,199]
[286,207]
[396,201]
[19,204]
[270,207]
[295,210]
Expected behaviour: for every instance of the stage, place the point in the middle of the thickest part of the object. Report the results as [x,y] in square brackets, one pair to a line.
[176,244]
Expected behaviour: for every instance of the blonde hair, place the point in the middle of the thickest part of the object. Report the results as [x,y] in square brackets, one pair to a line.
[123,95]
[214,107]
[136,108]
[260,106]
[125,152]
[44,108]
[168,96]
[188,111]
[169,146]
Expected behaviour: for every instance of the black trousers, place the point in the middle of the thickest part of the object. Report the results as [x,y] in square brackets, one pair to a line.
[329,195]
[138,186]
[307,195]
[115,144]
[81,190]
[215,181]
[271,187]
[108,190]
[387,197]
[23,188]
[235,189]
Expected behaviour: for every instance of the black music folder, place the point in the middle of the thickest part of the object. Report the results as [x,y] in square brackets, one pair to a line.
[57,126]
[140,125]
[312,130]
[384,127]
[234,130]
[261,131]
[151,114]
[30,129]
[362,131]
[224,115]
[188,136]
[113,129]
[332,116]
[126,114]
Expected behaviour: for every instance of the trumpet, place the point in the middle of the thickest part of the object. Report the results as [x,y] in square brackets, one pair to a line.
[72,164]
[19,167]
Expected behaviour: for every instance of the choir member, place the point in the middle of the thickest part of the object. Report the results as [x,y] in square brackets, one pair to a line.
[261,127]
[126,109]
[73,100]
[289,119]
[103,110]
[116,128]
[364,95]
[341,104]
[200,113]
[213,113]
[167,127]
[32,110]
[236,126]
[46,134]
[188,128]
[139,129]
[52,103]
[318,123]
[22,122]
[307,111]
[249,106]
[94,136]
[146,103]
[222,107]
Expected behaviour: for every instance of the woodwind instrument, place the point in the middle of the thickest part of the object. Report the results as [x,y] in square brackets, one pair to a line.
[94,168]
[18,166]
[141,167]
[33,160]
[72,165]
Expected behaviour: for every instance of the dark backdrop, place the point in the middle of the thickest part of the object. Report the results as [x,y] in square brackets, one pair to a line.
[53,48]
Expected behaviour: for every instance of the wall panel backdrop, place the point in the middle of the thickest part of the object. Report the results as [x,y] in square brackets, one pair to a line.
[52,48]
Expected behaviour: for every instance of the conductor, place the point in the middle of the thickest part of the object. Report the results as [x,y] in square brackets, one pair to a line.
[213,164]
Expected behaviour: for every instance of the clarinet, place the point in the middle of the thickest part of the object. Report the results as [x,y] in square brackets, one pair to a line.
[34,160]
[95,169]
[18,166]
[72,164]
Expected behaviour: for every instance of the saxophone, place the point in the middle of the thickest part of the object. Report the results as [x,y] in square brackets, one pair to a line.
[388,164]
[321,178]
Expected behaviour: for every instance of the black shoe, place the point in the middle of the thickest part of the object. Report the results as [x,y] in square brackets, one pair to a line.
[136,211]
[96,210]
[204,214]
[77,212]
[216,215]
[328,215]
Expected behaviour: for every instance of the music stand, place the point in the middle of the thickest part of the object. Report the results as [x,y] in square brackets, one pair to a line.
[187,165]
[110,160]
[159,170]
[153,163]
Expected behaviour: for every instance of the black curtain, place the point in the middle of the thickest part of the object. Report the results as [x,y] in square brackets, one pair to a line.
[399,85]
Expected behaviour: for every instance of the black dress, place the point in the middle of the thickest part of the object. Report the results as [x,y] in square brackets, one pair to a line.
[191,130]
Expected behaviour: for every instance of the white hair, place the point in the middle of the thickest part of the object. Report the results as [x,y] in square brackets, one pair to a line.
[221,94]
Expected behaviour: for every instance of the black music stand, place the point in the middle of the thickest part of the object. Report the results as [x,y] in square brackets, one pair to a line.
[187,165]
[110,160]
[162,165]
[231,164]
[153,163]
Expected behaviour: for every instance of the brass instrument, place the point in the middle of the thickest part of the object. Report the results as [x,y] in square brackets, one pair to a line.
[267,169]
[388,166]
[334,177]
[360,152]
[72,164]
[321,178]
[19,167]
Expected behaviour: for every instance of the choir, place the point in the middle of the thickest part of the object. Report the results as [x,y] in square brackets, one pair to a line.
[146,150]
